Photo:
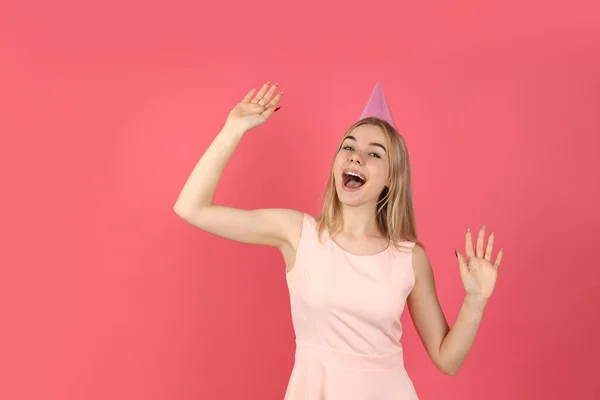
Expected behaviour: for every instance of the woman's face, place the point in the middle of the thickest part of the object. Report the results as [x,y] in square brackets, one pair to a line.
[361,167]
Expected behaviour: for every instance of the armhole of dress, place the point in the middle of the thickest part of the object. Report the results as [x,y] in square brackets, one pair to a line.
[412,268]
[299,248]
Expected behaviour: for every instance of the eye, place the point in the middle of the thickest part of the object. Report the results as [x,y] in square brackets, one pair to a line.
[348,148]
[375,155]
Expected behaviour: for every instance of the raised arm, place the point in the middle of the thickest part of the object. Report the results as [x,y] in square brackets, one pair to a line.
[448,348]
[272,227]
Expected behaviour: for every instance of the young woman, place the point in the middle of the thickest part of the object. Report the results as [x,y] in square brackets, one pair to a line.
[351,270]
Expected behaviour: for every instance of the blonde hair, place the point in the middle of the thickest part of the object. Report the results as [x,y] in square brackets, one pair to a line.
[395,210]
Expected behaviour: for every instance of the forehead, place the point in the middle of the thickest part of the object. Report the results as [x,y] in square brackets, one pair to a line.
[368,134]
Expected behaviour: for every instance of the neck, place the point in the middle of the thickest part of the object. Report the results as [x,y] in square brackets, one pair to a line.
[360,221]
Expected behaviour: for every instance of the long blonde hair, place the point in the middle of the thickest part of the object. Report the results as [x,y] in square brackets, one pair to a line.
[395,210]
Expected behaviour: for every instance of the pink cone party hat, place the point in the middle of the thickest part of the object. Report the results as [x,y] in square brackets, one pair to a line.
[377,106]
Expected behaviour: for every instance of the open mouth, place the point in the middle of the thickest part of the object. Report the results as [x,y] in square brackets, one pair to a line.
[353,180]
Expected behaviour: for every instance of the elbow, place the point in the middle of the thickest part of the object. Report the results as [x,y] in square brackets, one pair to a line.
[450,370]
[182,212]
[191,213]
[178,210]
[184,208]
[447,368]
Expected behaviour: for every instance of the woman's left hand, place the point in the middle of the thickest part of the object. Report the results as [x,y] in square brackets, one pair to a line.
[477,271]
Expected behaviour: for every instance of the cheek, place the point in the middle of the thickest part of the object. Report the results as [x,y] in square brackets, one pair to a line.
[338,161]
[380,173]
[337,165]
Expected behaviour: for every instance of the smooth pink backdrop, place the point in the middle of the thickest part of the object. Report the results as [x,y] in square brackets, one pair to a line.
[106,108]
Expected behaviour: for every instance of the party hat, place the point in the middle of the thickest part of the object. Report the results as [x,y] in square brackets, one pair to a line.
[377,106]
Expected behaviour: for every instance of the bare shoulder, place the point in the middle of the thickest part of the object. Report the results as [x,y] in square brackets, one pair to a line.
[420,262]
[419,254]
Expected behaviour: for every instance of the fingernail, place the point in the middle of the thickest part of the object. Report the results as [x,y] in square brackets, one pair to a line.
[277,108]
[468,229]
[455,253]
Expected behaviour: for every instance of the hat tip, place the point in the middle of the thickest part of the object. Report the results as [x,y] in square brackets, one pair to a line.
[377,106]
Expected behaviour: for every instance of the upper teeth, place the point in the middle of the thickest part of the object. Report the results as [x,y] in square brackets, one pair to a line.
[355,174]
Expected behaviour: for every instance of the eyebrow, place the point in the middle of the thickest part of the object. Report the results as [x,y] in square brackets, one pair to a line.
[370,144]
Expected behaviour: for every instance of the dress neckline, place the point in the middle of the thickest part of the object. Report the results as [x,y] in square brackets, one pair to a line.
[358,255]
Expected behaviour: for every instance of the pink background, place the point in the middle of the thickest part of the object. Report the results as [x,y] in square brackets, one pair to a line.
[106,108]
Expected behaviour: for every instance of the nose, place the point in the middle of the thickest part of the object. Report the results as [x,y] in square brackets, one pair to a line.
[355,158]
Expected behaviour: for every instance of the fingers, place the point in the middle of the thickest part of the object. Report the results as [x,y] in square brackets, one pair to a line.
[275,101]
[489,248]
[267,97]
[479,247]
[267,113]
[462,265]
[272,106]
[469,244]
[249,96]
[261,93]
[499,258]
[480,238]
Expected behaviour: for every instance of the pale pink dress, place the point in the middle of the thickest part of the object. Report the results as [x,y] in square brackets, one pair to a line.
[346,314]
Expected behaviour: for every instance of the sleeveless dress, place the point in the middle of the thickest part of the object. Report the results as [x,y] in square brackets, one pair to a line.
[346,316]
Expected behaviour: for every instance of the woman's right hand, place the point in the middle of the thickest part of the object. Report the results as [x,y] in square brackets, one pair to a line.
[255,109]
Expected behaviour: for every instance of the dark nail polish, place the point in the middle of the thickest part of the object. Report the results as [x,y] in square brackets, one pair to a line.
[456,253]
[277,108]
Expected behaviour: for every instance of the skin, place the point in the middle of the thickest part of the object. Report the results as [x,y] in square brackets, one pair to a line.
[281,228]
[364,151]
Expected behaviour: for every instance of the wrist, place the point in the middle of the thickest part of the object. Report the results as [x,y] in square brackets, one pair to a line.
[233,130]
[475,303]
